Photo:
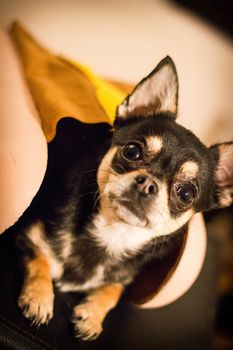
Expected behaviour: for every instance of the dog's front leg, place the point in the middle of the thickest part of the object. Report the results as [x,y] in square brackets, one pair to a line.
[89,316]
[36,298]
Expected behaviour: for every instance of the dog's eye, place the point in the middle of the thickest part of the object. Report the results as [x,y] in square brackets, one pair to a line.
[132,152]
[186,193]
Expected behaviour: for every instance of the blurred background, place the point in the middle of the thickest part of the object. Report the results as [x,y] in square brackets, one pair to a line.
[122,41]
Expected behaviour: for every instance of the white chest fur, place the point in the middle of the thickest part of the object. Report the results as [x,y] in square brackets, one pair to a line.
[120,238]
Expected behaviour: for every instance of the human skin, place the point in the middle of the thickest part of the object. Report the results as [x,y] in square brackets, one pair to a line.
[23,148]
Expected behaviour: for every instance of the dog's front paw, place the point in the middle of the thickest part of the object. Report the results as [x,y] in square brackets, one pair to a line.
[36,303]
[87,324]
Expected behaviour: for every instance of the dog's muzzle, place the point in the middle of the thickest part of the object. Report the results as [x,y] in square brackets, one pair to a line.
[140,196]
[145,186]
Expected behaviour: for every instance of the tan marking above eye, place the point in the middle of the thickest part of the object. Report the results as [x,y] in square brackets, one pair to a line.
[189,169]
[154,144]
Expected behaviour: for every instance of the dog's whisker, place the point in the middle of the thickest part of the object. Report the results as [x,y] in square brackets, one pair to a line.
[85,194]
[161,247]
[99,196]
[154,247]
[111,172]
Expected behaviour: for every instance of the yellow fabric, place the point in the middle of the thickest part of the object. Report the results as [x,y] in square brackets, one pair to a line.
[108,95]
[61,88]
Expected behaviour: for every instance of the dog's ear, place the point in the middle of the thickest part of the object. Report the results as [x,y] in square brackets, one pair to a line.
[223,157]
[157,93]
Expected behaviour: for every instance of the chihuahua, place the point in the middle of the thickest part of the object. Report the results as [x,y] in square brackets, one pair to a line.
[144,182]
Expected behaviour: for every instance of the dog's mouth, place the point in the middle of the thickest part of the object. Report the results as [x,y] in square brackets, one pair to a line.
[129,212]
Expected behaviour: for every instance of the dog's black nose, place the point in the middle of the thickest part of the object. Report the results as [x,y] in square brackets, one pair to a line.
[145,185]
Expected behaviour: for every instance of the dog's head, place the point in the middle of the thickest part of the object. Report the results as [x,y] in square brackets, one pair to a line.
[157,174]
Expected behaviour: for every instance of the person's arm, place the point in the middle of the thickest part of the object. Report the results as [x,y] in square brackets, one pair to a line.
[23,148]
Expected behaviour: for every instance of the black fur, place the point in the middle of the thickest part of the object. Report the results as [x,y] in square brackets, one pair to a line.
[67,200]
[68,196]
